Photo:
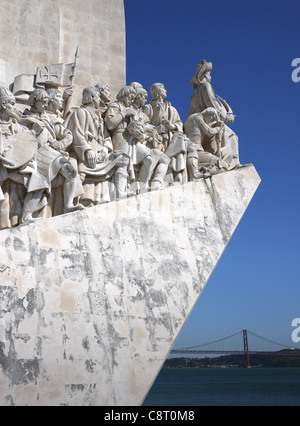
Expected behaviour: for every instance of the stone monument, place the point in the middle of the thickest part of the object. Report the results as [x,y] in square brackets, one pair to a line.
[44,38]
[113,217]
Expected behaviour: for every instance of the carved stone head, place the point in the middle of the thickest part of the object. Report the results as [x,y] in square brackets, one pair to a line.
[91,95]
[105,93]
[55,99]
[158,90]
[38,100]
[210,115]
[6,97]
[126,95]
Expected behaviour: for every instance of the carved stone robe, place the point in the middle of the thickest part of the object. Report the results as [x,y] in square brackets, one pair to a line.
[90,134]
[204,97]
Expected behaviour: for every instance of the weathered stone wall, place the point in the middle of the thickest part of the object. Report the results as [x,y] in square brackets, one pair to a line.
[41,32]
[91,302]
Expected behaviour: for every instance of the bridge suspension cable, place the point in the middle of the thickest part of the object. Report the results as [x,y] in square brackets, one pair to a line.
[232,335]
[210,343]
[268,340]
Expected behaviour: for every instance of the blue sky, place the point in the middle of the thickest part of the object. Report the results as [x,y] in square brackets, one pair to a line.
[252,44]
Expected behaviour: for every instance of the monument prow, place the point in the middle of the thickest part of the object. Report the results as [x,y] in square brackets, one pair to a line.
[92,301]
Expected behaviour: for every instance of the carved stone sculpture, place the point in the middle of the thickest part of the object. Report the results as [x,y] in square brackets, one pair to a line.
[104,150]
[204,97]
[117,118]
[204,129]
[150,138]
[51,156]
[175,144]
[92,301]
[103,169]
[22,186]
[105,97]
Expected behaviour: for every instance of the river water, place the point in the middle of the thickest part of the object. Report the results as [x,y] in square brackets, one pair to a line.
[225,387]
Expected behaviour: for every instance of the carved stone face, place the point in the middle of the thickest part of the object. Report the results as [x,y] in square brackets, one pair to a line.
[127,100]
[40,105]
[57,100]
[106,95]
[141,99]
[96,99]
[144,98]
[163,91]
[8,103]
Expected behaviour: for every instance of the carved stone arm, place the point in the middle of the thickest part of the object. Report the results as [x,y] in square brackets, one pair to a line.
[210,100]
[208,130]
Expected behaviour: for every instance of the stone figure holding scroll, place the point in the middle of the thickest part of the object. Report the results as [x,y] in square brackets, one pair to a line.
[204,97]
[103,169]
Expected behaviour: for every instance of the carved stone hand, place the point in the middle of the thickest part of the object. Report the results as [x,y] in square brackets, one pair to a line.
[91,159]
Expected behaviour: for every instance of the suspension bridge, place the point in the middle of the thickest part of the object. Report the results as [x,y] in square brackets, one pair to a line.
[217,347]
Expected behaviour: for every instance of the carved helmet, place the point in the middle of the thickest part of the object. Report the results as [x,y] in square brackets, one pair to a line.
[5,95]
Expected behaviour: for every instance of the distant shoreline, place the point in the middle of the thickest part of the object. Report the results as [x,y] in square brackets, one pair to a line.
[280,359]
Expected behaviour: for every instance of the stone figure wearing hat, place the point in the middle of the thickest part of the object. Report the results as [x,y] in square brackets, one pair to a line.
[204,97]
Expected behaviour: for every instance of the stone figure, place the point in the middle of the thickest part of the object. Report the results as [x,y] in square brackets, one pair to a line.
[51,156]
[59,103]
[175,144]
[103,169]
[22,186]
[204,97]
[105,97]
[55,105]
[117,118]
[147,134]
[204,130]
